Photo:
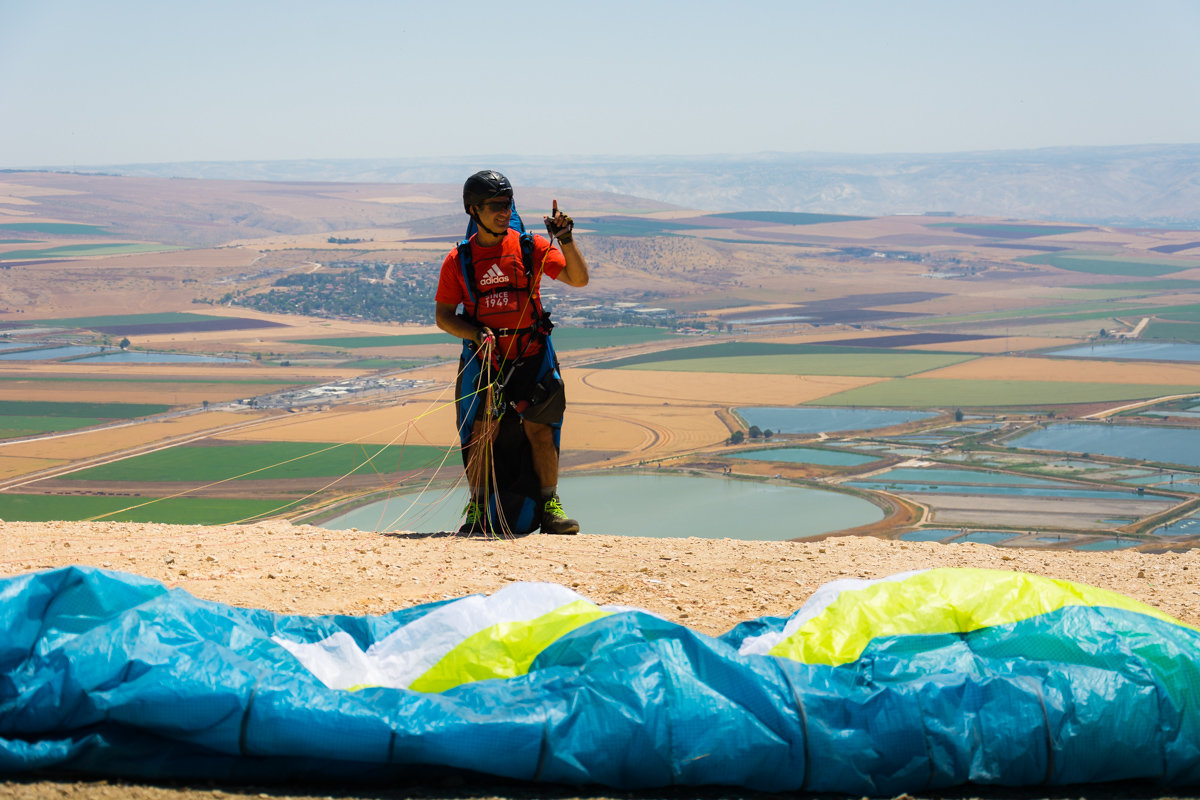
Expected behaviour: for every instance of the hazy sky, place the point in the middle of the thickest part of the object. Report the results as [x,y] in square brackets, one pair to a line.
[91,82]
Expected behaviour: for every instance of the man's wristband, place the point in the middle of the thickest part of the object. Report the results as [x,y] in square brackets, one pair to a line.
[564,237]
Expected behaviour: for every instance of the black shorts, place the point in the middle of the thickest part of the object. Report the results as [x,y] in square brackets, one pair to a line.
[534,387]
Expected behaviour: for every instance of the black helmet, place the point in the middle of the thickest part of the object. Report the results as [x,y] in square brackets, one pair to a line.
[483,186]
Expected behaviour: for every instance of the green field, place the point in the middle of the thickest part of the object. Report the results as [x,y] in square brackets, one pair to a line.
[1165,285]
[15,408]
[160,318]
[12,426]
[153,384]
[939,393]
[383,363]
[361,342]
[1189,313]
[172,510]
[878,364]
[57,228]
[1082,311]
[1175,331]
[1109,265]
[263,461]
[74,250]
[19,418]
[737,350]
[569,338]
[1007,231]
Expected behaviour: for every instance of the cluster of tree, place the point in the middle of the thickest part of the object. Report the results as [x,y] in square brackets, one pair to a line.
[737,437]
[868,252]
[345,240]
[352,289]
[611,315]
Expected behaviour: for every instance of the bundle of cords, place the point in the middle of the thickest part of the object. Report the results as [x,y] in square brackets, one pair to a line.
[481,462]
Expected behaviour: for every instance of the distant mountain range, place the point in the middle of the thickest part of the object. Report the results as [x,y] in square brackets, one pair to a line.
[1145,185]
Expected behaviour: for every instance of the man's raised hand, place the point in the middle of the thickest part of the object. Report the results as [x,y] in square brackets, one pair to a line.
[558,224]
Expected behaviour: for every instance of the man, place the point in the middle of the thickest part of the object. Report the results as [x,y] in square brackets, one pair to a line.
[503,324]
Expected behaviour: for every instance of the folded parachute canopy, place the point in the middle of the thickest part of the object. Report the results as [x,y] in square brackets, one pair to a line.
[919,681]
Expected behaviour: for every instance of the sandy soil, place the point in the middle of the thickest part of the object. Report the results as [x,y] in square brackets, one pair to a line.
[708,585]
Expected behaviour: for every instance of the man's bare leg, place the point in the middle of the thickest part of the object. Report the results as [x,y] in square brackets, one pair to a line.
[545,464]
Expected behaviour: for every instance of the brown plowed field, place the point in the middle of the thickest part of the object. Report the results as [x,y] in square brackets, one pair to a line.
[1090,370]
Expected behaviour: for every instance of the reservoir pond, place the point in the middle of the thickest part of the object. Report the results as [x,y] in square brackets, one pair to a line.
[652,505]
[1142,443]
[1139,351]
[146,357]
[94,354]
[50,353]
[807,455]
[818,420]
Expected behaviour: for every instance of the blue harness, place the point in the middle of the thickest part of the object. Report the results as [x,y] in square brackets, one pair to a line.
[516,498]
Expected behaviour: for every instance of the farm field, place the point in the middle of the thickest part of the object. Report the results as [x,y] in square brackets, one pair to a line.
[1068,370]
[867,365]
[780,310]
[25,417]
[564,339]
[98,249]
[177,391]
[923,392]
[1111,265]
[19,458]
[178,510]
[211,461]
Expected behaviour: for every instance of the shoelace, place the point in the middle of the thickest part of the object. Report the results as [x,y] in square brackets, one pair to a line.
[554,508]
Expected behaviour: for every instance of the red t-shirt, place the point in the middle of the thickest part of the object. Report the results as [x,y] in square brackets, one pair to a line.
[503,297]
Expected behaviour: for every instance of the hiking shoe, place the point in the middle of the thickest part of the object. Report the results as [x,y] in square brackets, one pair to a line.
[474,518]
[555,520]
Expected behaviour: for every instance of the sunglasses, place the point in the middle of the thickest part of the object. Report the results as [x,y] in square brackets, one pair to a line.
[496,206]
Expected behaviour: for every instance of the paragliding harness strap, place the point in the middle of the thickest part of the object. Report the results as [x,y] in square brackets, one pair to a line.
[541,326]
[514,503]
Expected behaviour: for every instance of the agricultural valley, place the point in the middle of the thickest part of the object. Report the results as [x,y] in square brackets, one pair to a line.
[210,352]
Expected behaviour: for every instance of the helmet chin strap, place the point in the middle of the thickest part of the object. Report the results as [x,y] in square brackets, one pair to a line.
[479,222]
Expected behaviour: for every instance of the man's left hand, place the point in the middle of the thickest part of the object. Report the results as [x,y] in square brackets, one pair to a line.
[559,225]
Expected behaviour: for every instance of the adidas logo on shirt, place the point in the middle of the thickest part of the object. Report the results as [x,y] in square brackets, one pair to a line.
[493,276]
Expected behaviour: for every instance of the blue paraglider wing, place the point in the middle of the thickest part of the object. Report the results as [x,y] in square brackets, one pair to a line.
[918,681]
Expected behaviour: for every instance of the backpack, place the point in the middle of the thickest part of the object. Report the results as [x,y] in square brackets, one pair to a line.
[514,502]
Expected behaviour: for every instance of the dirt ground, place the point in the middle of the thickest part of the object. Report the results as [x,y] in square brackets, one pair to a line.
[707,585]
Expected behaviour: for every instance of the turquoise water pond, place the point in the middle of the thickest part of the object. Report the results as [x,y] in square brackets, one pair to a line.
[1140,351]
[807,455]
[960,481]
[995,537]
[987,537]
[934,475]
[1169,445]
[929,535]
[1188,526]
[817,420]
[1015,491]
[146,357]
[650,505]
[1107,544]
[49,353]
